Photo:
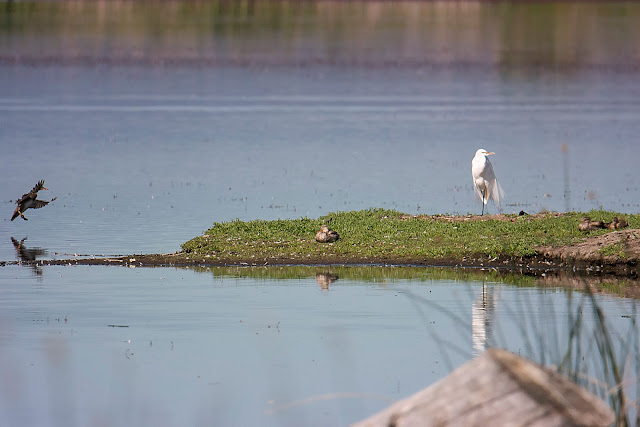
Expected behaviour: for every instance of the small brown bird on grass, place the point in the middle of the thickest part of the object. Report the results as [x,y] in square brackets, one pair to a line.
[326,235]
[587,225]
[617,224]
[29,201]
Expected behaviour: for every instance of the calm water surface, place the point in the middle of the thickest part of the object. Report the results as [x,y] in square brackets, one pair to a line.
[149,129]
[179,347]
[152,157]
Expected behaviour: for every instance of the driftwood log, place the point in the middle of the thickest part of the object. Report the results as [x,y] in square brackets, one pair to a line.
[497,388]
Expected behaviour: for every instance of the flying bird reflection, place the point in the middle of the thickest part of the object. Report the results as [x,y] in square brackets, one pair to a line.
[28,255]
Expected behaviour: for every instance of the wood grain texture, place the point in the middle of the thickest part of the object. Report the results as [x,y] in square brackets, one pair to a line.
[497,388]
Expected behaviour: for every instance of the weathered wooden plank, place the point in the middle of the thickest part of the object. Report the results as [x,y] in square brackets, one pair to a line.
[497,388]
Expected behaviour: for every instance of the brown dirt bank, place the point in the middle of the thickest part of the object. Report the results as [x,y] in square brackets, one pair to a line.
[616,253]
[594,249]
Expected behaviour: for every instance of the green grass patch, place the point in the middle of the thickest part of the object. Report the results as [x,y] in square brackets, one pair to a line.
[388,234]
[614,249]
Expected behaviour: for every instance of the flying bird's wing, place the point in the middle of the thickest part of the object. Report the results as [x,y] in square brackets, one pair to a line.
[25,197]
[39,186]
[40,203]
[33,193]
[16,213]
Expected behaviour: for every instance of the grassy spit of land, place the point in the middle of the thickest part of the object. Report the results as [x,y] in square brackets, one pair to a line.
[378,236]
[387,236]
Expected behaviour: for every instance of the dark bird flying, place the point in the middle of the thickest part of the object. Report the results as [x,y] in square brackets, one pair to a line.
[29,201]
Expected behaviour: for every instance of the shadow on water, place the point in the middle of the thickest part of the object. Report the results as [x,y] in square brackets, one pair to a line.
[600,353]
[29,256]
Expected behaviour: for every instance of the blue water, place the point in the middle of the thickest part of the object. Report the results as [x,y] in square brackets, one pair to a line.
[149,158]
[176,347]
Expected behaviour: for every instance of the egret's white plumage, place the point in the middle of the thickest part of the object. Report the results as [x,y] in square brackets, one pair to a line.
[484,179]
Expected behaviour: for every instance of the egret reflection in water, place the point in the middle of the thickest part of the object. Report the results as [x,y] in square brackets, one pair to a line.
[482,318]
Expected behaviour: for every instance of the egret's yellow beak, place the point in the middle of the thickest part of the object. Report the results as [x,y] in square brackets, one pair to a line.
[488,154]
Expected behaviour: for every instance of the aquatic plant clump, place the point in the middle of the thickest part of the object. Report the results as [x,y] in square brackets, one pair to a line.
[379,235]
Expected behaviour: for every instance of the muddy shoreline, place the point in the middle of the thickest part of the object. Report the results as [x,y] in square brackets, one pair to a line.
[586,257]
[538,265]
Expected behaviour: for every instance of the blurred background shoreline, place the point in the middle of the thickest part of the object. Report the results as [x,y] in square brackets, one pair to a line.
[566,36]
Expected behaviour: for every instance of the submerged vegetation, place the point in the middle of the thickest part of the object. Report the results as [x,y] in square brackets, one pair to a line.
[378,235]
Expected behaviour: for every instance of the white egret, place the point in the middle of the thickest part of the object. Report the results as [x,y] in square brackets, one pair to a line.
[484,179]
